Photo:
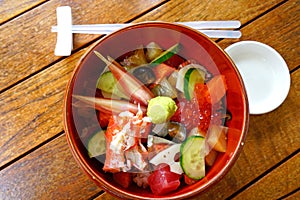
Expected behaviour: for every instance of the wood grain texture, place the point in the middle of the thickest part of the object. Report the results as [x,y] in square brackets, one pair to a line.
[278,29]
[294,196]
[191,10]
[31,112]
[10,9]
[106,196]
[275,184]
[47,173]
[27,44]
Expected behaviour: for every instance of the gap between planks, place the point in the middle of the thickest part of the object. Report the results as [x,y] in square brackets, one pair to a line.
[31,150]
[245,187]
[24,11]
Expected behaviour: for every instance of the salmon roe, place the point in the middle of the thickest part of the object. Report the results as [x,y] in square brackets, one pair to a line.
[198,112]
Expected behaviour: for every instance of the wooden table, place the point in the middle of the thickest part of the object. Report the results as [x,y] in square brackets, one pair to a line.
[35,161]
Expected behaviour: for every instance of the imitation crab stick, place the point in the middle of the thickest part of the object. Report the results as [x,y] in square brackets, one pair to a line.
[114,161]
[123,142]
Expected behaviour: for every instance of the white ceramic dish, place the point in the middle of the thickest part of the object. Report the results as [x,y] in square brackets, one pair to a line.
[264,72]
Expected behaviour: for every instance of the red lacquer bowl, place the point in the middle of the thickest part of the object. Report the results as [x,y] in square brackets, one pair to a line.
[196,46]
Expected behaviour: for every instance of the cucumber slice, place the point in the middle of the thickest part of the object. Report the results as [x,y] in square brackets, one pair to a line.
[97,144]
[107,83]
[182,72]
[192,157]
[191,77]
[167,54]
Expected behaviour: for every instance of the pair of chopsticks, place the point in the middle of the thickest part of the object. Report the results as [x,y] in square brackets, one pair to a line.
[212,29]
[65,29]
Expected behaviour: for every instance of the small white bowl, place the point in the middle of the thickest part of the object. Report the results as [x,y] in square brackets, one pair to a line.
[264,72]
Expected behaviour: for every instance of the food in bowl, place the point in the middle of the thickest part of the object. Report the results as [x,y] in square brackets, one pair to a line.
[145,89]
[162,123]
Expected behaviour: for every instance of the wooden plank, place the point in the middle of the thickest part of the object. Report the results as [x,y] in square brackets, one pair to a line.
[31,112]
[294,196]
[279,29]
[281,181]
[191,10]
[47,173]
[106,196]
[10,9]
[27,44]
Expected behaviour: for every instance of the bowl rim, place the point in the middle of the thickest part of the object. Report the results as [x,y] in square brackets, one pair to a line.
[118,192]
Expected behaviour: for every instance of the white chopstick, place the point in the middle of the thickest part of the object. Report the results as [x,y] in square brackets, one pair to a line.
[221,33]
[194,24]
[206,27]
[225,24]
